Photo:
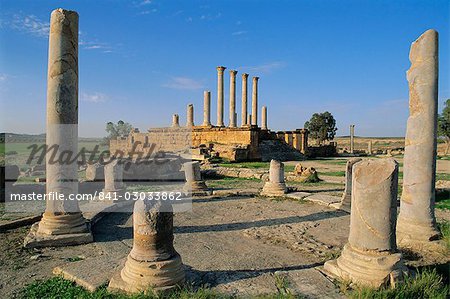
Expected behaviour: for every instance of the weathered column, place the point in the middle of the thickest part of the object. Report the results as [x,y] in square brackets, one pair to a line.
[114,186]
[369,148]
[304,141]
[347,196]
[233,98]
[62,223]
[190,115]
[276,185]
[175,120]
[244,100]
[417,222]
[296,136]
[370,257]
[194,183]
[264,118]
[249,119]
[220,70]
[352,137]
[255,101]
[206,108]
[153,261]
[288,138]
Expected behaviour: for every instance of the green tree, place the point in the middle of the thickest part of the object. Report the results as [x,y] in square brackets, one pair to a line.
[120,129]
[444,125]
[321,127]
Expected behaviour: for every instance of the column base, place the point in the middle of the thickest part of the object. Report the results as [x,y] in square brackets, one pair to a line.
[344,205]
[367,268]
[417,236]
[197,188]
[36,239]
[274,189]
[142,276]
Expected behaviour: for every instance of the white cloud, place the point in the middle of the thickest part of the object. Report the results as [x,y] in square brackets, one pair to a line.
[95,97]
[145,2]
[239,32]
[183,83]
[264,68]
[3,77]
[29,24]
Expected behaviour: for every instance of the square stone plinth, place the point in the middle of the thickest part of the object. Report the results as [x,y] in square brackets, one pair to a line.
[36,240]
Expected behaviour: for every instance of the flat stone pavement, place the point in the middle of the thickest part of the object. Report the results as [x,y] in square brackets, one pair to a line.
[234,245]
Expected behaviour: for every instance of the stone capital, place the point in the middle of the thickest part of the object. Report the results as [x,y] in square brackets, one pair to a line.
[233,72]
[220,69]
[255,78]
[244,76]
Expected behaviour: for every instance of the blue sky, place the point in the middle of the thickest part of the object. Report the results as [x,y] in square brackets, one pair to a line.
[141,61]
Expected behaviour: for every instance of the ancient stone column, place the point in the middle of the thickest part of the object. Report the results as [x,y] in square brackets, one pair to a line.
[175,120]
[352,137]
[62,222]
[233,98]
[276,185]
[153,261]
[206,108]
[194,183]
[288,138]
[220,70]
[296,139]
[255,101]
[249,119]
[190,116]
[347,196]
[417,222]
[114,186]
[369,148]
[370,257]
[304,141]
[264,118]
[244,100]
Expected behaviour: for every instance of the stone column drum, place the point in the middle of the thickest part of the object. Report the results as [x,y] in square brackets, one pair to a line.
[175,121]
[194,183]
[276,185]
[244,100]
[417,222]
[153,261]
[62,222]
[206,108]
[304,141]
[220,70]
[255,101]
[370,257]
[264,118]
[352,138]
[190,116]
[114,178]
[347,196]
[233,98]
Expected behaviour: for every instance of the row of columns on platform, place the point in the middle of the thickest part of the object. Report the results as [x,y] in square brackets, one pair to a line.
[246,118]
[298,139]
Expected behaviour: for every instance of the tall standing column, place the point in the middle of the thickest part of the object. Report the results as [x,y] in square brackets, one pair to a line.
[220,70]
[62,222]
[233,98]
[255,101]
[417,221]
[264,118]
[175,120]
[206,108]
[352,137]
[190,116]
[244,100]
[369,148]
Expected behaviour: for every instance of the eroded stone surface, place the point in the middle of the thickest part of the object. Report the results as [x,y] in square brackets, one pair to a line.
[417,223]
[276,185]
[347,196]
[370,257]
[153,261]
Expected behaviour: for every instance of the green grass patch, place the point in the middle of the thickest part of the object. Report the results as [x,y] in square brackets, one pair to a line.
[444,227]
[443,176]
[58,287]
[254,165]
[426,284]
